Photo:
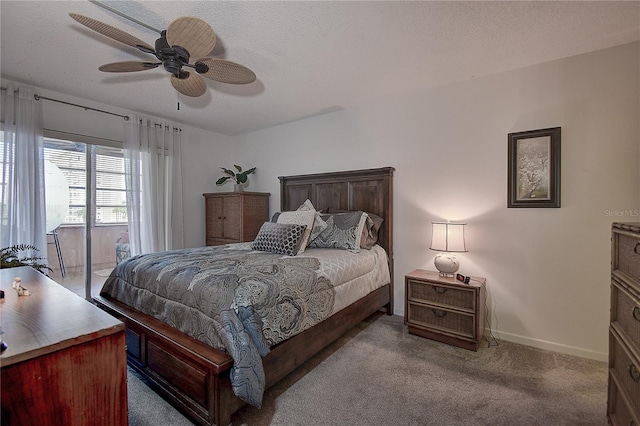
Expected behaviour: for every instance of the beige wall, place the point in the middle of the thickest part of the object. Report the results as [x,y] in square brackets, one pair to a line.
[547,269]
[71,239]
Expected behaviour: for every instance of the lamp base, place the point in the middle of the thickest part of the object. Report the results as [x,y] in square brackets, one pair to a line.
[447,264]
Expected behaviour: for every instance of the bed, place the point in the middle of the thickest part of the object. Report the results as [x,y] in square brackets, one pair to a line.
[195,376]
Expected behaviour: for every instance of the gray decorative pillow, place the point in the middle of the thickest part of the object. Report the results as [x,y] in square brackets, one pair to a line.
[279,238]
[344,231]
[370,229]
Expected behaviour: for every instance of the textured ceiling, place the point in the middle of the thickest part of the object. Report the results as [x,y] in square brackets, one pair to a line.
[310,57]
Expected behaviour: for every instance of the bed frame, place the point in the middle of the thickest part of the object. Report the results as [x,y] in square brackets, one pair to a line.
[193,376]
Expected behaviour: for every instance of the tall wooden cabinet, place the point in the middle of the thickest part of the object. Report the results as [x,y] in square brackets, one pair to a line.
[623,405]
[233,217]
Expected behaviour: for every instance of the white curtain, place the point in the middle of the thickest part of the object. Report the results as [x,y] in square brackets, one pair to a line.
[153,177]
[23,189]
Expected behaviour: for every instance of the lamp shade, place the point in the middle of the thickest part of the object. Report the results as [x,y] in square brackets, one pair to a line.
[448,237]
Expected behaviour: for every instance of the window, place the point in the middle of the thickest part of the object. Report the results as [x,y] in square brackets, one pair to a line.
[111,196]
[109,185]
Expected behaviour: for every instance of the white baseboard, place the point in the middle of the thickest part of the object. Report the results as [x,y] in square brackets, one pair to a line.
[548,346]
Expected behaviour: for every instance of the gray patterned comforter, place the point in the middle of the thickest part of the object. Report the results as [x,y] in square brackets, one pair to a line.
[229,297]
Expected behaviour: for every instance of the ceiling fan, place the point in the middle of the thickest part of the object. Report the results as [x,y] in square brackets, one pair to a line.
[184,39]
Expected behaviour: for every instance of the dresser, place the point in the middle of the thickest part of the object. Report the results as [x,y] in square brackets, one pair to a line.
[233,217]
[623,405]
[65,362]
[444,309]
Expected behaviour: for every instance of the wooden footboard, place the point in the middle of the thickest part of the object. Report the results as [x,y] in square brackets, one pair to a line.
[194,377]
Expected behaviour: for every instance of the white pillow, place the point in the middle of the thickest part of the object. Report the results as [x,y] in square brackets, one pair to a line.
[319,224]
[300,217]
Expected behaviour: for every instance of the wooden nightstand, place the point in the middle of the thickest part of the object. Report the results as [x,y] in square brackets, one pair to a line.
[445,309]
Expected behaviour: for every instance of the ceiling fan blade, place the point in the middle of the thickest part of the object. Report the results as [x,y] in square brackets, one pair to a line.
[112,32]
[128,66]
[192,34]
[226,71]
[191,85]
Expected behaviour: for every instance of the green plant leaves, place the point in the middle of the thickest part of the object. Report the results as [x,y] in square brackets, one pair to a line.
[239,177]
[10,258]
[229,172]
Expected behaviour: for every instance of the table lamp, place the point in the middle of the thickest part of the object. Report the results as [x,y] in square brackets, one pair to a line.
[447,238]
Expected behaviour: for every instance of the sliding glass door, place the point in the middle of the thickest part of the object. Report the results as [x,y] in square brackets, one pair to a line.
[83,242]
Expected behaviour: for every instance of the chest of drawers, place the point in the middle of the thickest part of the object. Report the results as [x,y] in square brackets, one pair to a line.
[65,363]
[623,405]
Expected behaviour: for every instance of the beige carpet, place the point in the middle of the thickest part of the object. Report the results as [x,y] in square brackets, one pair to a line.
[381,375]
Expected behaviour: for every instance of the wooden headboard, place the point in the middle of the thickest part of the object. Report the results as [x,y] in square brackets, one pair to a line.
[369,190]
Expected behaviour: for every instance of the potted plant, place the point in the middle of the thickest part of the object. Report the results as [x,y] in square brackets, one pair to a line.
[240,177]
[9,258]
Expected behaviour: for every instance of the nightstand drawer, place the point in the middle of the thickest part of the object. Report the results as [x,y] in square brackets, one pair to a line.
[441,294]
[439,319]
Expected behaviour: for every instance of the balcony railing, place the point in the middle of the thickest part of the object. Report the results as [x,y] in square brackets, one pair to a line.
[72,241]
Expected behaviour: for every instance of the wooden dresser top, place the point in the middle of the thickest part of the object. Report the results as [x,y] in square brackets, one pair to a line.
[50,319]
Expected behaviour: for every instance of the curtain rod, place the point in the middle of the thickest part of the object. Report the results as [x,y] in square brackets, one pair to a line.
[38,97]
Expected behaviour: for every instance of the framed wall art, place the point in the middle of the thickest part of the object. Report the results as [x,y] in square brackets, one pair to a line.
[534,168]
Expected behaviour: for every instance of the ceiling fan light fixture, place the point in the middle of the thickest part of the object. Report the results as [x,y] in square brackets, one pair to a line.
[185,38]
[173,65]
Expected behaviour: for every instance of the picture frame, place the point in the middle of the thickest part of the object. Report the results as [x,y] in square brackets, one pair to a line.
[534,168]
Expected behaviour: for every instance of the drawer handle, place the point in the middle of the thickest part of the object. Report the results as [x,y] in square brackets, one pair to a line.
[636,313]
[636,249]
[439,313]
[440,290]
[634,373]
